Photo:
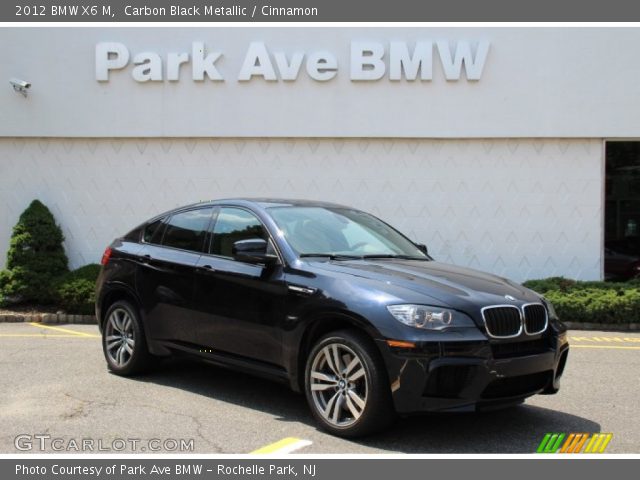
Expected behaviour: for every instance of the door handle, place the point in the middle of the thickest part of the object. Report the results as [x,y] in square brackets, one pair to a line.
[206,267]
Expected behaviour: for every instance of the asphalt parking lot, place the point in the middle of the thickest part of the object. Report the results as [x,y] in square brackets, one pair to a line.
[55,385]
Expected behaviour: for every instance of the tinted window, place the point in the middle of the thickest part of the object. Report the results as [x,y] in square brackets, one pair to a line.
[153,232]
[235,224]
[622,208]
[134,235]
[186,230]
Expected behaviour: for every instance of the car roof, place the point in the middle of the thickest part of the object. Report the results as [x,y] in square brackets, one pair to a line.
[263,203]
[256,203]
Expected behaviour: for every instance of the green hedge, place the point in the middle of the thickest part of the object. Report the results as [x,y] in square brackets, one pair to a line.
[74,292]
[35,257]
[37,269]
[595,302]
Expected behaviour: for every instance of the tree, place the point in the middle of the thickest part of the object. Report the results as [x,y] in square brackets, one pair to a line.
[35,257]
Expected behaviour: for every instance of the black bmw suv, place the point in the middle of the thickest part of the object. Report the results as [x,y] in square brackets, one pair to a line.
[330,300]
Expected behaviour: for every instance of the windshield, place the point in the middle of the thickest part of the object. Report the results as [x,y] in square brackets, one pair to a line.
[340,232]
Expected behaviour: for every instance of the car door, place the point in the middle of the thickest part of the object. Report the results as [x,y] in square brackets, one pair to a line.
[241,304]
[165,279]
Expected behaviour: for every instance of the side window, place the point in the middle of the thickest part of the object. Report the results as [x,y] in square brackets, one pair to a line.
[186,230]
[134,235]
[235,224]
[153,232]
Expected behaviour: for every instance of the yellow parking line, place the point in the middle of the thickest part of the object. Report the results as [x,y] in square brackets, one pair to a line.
[618,347]
[286,445]
[604,339]
[40,335]
[65,330]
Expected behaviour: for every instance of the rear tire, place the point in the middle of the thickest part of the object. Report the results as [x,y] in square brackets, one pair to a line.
[123,341]
[347,386]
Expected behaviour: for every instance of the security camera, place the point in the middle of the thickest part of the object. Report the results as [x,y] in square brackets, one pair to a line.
[20,86]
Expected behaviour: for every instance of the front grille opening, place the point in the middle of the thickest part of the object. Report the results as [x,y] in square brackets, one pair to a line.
[448,381]
[561,364]
[502,321]
[535,318]
[519,349]
[518,386]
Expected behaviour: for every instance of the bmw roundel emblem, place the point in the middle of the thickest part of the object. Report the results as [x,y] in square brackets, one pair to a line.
[510,298]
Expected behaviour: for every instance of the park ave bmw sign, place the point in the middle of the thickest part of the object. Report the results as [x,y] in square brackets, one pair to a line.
[369,61]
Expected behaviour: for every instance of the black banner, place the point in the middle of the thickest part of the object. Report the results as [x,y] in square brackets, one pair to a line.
[316,469]
[318,11]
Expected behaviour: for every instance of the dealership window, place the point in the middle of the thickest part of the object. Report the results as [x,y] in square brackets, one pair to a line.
[622,210]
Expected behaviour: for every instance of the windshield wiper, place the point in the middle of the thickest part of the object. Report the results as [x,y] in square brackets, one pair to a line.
[390,255]
[332,256]
[341,256]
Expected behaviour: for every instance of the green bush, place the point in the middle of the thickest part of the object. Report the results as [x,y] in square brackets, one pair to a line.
[75,291]
[547,284]
[35,257]
[593,302]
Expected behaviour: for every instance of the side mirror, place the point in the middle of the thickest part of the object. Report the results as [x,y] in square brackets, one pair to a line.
[253,250]
[423,248]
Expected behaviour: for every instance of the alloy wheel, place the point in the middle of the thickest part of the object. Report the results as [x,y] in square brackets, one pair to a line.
[338,384]
[120,337]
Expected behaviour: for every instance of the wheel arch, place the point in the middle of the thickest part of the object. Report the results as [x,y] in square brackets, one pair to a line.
[114,294]
[320,325]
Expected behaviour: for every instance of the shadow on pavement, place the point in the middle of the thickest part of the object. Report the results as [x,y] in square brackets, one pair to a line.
[514,430]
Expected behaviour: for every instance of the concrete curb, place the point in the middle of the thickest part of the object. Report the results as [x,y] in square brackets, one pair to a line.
[48,318]
[611,327]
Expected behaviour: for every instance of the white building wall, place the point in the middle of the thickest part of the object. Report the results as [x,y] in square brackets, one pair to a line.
[536,83]
[521,208]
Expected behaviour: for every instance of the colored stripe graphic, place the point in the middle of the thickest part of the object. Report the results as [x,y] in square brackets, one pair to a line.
[574,443]
[551,443]
[598,443]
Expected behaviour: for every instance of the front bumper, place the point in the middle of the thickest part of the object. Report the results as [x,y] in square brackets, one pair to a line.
[473,375]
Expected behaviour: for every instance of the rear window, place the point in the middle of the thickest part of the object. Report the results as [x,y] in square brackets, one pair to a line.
[133,235]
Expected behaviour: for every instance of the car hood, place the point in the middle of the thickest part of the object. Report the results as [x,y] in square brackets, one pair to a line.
[458,287]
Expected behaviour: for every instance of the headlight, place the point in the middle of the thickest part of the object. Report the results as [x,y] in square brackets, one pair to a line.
[429,318]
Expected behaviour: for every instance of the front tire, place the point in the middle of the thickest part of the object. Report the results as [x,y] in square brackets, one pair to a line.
[123,341]
[346,385]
